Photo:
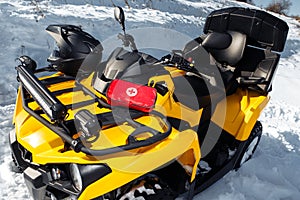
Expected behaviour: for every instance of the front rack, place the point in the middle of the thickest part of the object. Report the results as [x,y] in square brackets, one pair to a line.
[33,89]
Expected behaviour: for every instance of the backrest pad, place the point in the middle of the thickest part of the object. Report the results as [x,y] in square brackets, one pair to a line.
[266,37]
[262,29]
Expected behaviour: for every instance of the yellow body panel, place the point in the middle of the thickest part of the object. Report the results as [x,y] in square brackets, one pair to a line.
[242,110]
[167,105]
[128,168]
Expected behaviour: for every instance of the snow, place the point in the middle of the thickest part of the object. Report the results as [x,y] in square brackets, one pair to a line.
[272,174]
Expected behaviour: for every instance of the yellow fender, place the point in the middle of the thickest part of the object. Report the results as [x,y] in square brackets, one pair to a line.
[242,110]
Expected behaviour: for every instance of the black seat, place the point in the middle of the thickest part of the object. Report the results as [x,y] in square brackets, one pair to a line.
[210,54]
[265,39]
[244,43]
[197,91]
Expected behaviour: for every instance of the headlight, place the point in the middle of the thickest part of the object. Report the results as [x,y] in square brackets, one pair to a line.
[83,175]
[76,176]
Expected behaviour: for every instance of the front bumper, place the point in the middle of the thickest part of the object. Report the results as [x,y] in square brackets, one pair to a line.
[20,155]
[39,179]
[35,182]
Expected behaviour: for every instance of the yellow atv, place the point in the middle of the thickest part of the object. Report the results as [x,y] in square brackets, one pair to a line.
[137,127]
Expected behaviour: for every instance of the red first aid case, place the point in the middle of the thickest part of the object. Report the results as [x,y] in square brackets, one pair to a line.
[131,95]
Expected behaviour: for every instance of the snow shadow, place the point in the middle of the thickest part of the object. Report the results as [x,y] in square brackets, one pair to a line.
[271,174]
[290,47]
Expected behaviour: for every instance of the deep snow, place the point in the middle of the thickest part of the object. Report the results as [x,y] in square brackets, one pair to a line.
[272,174]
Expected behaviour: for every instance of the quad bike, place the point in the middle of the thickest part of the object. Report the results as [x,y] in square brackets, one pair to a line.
[137,127]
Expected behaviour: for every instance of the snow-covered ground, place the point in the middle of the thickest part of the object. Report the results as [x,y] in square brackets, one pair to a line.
[272,174]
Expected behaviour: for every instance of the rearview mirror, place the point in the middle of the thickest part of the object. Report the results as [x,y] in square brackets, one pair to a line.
[119,16]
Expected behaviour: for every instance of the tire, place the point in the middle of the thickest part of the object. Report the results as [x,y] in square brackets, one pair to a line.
[149,188]
[250,145]
[50,196]
[15,167]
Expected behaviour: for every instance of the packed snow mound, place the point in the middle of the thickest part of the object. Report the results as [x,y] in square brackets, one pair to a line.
[273,172]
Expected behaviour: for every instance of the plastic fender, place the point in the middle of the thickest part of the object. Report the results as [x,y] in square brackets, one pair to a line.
[252,113]
[241,110]
[190,160]
[129,168]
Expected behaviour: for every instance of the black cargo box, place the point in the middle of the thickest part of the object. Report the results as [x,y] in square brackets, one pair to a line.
[263,29]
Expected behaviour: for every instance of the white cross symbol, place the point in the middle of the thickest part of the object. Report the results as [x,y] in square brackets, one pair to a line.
[131,91]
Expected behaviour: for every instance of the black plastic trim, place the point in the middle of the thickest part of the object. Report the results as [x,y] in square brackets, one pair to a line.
[203,182]
[17,152]
[34,177]
[92,172]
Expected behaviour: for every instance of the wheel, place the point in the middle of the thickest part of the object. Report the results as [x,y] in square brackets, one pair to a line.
[14,166]
[50,196]
[53,194]
[148,188]
[250,145]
